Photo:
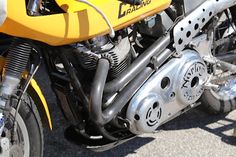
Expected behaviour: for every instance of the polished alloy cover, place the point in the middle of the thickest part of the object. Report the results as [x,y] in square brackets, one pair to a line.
[171,90]
[3,11]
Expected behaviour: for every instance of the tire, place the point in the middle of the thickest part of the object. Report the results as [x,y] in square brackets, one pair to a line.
[223,100]
[29,125]
[214,104]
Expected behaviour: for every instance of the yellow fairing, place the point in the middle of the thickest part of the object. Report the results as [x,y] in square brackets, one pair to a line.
[81,22]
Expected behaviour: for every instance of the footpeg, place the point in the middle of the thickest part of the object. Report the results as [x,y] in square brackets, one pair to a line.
[221,64]
[209,85]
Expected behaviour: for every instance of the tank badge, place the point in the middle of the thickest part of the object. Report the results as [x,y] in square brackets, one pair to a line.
[126,9]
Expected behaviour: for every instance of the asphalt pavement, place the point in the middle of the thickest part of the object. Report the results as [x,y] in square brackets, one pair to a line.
[193,134]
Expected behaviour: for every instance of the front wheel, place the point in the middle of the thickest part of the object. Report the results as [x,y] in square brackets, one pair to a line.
[27,141]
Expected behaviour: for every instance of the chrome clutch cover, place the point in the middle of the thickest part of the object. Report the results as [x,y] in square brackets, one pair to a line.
[175,86]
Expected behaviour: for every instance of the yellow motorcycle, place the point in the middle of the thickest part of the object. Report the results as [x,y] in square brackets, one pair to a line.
[119,68]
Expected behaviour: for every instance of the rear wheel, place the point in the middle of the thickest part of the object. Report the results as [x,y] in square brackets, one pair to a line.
[223,99]
[27,141]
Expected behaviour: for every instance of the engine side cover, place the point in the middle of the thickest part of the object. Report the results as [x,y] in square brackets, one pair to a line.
[170,90]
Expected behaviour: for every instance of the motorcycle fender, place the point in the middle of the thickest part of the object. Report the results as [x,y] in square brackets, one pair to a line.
[36,94]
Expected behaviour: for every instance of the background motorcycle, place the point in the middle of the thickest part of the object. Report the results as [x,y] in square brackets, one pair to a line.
[159,59]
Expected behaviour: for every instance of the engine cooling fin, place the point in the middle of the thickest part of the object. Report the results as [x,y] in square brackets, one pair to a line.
[117,54]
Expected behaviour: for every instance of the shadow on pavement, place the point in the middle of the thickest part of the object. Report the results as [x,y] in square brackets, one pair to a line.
[124,149]
[197,118]
[67,149]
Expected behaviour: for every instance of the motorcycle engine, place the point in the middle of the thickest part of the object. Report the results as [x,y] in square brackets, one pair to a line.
[168,93]
[117,52]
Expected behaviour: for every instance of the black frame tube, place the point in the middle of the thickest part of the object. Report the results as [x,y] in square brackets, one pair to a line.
[139,64]
[74,79]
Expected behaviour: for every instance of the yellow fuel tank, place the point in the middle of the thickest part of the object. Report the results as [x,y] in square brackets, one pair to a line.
[79,22]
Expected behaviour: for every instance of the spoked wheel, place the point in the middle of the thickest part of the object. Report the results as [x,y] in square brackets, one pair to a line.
[27,139]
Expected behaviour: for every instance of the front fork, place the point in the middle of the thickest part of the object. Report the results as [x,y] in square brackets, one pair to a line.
[17,59]
[8,86]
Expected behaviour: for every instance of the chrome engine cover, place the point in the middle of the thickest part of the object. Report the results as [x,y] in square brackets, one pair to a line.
[175,86]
